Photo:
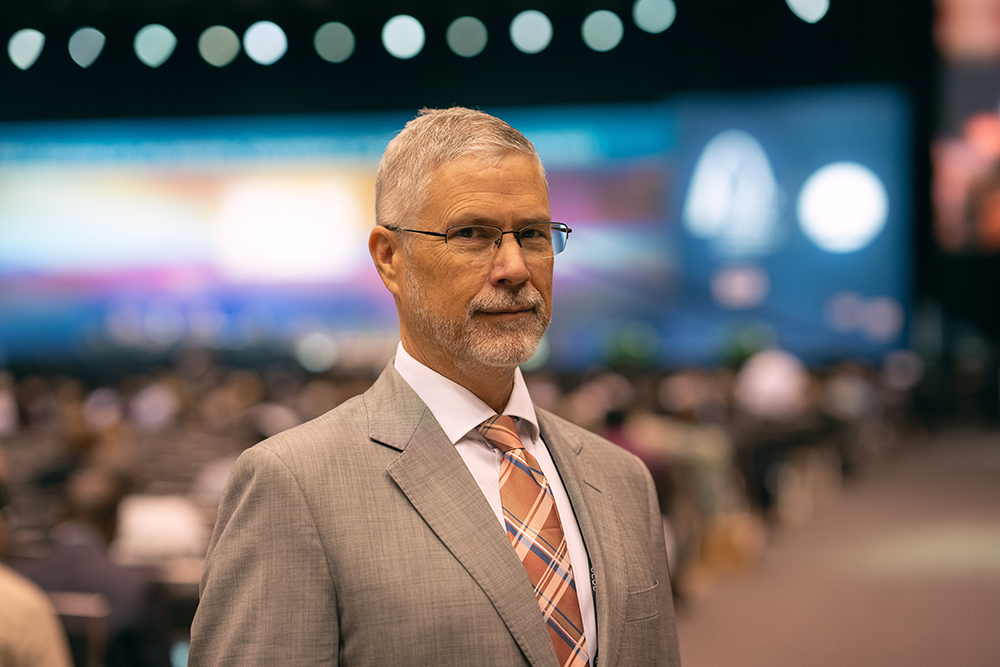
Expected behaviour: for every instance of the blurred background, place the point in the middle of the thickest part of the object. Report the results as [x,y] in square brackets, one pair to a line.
[780,290]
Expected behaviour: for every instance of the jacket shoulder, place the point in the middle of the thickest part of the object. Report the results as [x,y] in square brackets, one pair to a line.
[348,418]
[559,429]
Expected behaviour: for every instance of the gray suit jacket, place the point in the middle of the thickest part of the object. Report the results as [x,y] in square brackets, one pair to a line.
[361,538]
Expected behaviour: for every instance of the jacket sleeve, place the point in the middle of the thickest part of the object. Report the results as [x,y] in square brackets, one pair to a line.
[267,594]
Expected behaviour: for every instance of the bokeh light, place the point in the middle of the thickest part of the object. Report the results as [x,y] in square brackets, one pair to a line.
[902,370]
[334,42]
[85,46]
[103,409]
[654,16]
[403,36]
[740,287]
[467,36]
[842,207]
[809,11]
[603,30]
[844,311]
[163,323]
[883,318]
[316,352]
[531,31]
[154,44]
[24,47]
[265,42]
[772,384]
[219,45]
[879,319]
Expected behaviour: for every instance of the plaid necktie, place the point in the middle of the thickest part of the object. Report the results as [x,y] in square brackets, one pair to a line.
[533,526]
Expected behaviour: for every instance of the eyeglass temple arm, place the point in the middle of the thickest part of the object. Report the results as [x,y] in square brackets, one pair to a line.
[413,231]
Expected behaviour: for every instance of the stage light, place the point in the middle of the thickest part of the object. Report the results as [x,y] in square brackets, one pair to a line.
[265,42]
[403,36]
[733,199]
[531,31]
[842,207]
[219,45]
[282,229]
[809,11]
[154,44]
[603,30]
[24,47]
[654,16]
[334,42]
[85,46]
[466,36]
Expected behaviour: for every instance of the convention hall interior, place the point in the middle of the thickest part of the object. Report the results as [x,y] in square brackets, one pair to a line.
[780,292]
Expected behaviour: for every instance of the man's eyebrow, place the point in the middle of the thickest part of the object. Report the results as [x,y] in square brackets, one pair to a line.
[473,219]
[479,219]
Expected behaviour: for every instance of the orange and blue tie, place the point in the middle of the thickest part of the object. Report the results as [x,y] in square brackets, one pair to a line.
[534,529]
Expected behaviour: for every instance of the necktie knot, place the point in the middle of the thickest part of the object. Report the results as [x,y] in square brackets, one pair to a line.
[501,432]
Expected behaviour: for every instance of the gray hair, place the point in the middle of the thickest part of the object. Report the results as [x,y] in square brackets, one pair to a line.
[432,139]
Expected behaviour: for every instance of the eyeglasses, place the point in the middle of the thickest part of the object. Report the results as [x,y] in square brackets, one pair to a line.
[539,241]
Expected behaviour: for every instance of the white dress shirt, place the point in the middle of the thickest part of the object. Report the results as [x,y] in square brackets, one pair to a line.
[459,412]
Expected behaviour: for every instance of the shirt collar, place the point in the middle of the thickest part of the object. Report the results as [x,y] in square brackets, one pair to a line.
[457,409]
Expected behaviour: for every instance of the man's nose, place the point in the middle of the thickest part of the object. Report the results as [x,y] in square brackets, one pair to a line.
[509,264]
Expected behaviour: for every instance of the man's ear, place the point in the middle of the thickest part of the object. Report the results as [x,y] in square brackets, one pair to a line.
[389,257]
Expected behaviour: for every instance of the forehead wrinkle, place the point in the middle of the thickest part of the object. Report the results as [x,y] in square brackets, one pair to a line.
[474,190]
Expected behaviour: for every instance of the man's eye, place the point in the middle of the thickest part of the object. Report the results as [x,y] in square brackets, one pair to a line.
[533,234]
[471,232]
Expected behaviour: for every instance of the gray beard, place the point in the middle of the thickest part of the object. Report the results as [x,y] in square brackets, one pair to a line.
[475,344]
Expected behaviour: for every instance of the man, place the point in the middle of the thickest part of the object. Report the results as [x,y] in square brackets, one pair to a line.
[395,529]
[30,632]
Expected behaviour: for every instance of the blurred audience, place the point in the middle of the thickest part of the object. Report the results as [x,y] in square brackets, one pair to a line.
[30,632]
[734,451]
[136,633]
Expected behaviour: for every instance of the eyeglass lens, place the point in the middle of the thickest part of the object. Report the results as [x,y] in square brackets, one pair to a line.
[543,240]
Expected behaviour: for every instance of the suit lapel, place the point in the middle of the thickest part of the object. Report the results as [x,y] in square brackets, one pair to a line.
[595,515]
[432,475]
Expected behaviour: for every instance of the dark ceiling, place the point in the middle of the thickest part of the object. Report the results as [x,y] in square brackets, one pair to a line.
[720,44]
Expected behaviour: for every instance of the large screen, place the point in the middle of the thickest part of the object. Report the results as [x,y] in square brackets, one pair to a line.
[702,224]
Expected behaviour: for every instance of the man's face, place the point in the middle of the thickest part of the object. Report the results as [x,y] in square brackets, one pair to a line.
[474,313]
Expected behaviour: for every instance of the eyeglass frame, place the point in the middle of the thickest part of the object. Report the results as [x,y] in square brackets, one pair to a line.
[516,232]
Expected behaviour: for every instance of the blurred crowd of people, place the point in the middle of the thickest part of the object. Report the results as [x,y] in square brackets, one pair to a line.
[131,474]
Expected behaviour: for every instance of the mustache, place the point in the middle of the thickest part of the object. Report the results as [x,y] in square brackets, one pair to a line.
[500,299]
